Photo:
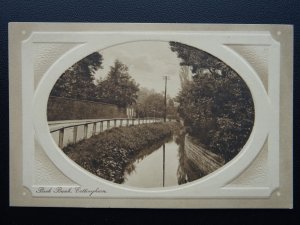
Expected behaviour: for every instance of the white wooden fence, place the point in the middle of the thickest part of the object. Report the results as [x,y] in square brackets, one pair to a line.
[67,134]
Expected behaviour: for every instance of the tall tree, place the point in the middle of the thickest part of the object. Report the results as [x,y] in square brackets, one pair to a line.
[118,87]
[184,75]
[78,81]
[154,105]
[171,109]
[216,106]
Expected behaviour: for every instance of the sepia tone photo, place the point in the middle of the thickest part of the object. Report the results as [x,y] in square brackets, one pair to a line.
[150,113]
[159,115]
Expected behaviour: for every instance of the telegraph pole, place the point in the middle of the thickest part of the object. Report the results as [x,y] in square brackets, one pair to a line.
[166,80]
[165,119]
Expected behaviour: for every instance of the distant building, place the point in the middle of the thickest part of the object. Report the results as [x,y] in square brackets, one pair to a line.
[130,112]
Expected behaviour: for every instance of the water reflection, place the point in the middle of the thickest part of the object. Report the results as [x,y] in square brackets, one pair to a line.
[146,169]
[162,165]
[187,170]
[157,168]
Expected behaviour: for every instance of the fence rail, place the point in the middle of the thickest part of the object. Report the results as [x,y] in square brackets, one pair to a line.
[104,124]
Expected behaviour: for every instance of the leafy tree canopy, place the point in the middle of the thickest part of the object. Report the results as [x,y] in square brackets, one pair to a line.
[118,87]
[216,104]
[78,81]
[150,103]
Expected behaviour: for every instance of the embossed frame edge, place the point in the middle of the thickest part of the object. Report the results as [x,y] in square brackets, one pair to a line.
[19,196]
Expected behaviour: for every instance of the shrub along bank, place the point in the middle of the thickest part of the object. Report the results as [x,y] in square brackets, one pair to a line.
[109,153]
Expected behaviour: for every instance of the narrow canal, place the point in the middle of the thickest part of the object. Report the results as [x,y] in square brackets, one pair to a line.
[144,162]
[157,169]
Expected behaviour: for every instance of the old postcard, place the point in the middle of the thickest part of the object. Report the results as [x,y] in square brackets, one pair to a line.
[151,115]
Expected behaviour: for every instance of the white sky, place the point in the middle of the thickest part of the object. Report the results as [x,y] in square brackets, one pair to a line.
[147,61]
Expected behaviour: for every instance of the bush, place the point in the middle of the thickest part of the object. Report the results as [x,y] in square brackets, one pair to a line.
[219,113]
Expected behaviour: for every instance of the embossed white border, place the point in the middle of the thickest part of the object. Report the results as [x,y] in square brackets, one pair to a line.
[266,125]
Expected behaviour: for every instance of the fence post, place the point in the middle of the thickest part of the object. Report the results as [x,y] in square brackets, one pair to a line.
[115,123]
[138,121]
[132,121]
[94,128]
[74,134]
[127,124]
[61,138]
[101,126]
[85,131]
[108,124]
[121,121]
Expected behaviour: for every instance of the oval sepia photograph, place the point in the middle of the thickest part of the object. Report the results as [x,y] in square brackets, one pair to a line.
[150,114]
